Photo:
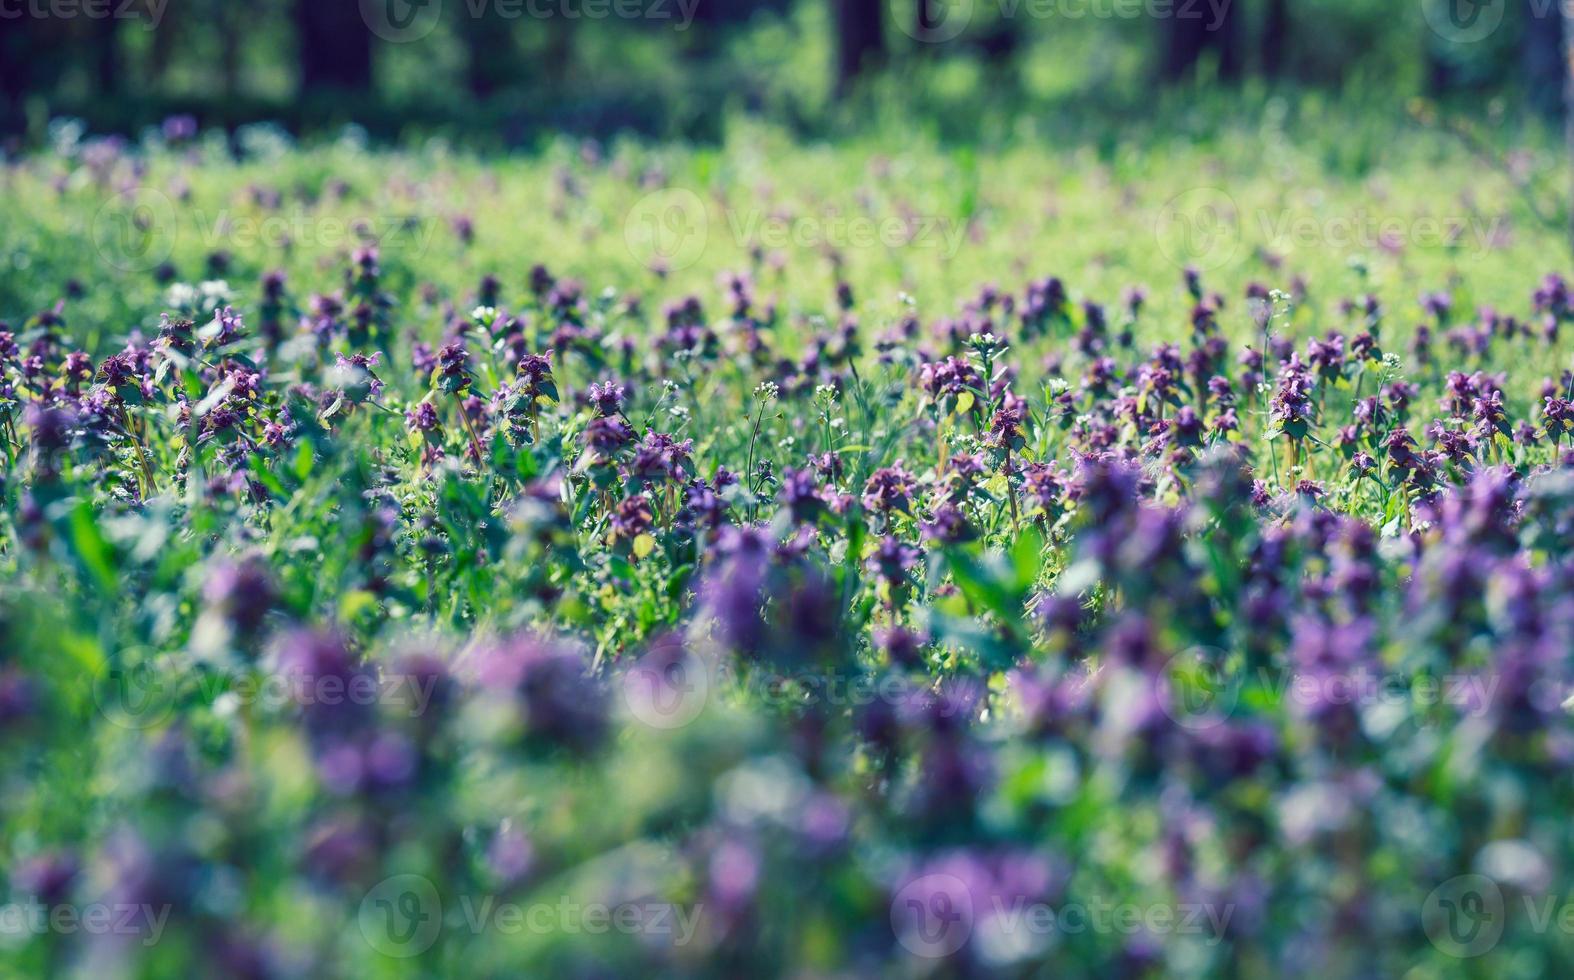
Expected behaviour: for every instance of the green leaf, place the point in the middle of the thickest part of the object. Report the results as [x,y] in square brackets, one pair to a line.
[1027,554]
[90,546]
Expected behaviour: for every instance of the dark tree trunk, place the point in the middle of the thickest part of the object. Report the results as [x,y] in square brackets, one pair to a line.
[106,54]
[699,41]
[335,46]
[860,39]
[491,56]
[1567,7]
[33,52]
[1198,29]
[1541,54]
[1275,32]
[162,50]
[228,18]
[558,64]
[999,41]
[14,74]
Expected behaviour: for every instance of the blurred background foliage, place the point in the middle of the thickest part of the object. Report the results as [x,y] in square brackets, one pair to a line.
[503,73]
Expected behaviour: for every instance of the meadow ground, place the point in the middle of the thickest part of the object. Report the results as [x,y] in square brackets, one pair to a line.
[871,557]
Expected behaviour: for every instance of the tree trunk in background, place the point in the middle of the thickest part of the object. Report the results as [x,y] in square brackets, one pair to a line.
[227,16]
[34,52]
[106,54]
[1194,30]
[1568,102]
[558,64]
[698,43]
[15,42]
[1275,31]
[162,49]
[999,41]
[1541,54]
[491,55]
[860,39]
[335,46]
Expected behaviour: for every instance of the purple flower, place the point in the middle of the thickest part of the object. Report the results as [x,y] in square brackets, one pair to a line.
[889,489]
[659,457]
[556,703]
[902,647]
[801,494]
[892,560]
[47,878]
[947,525]
[453,366]
[327,681]
[606,397]
[632,518]
[606,435]
[241,591]
[422,418]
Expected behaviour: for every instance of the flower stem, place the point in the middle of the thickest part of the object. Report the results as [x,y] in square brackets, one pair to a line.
[475,441]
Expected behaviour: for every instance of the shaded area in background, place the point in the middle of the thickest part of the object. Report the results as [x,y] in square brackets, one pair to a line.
[503,73]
